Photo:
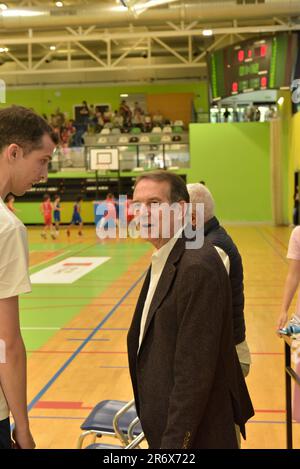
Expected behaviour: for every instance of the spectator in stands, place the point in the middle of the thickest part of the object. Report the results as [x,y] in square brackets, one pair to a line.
[60,118]
[117,120]
[92,119]
[126,113]
[250,113]
[257,114]
[270,113]
[138,115]
[84,110]
[157,119]
[148,123]
[226,114]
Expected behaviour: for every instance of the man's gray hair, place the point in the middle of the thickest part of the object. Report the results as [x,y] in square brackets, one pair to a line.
[200,194]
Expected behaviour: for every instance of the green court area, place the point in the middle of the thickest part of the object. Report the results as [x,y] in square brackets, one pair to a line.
[49,307]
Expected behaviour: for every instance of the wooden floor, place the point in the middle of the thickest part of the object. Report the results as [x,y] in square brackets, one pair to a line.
[75,334]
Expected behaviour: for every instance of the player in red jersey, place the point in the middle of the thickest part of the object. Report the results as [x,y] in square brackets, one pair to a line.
[46,209]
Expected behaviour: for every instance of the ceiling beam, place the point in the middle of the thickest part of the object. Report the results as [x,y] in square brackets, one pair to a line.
[105,36]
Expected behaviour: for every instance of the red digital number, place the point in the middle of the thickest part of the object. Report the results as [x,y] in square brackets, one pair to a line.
[263,50]
[234,87]
[263,82]
[241,55]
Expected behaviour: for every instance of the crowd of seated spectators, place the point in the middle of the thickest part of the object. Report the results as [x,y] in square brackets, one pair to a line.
[92,121]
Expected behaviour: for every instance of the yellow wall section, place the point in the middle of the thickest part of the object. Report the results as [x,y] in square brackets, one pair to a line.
[294,158]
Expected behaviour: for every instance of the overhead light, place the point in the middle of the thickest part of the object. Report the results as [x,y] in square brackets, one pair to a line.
[3,6]
[119,8]
[123,95]
[280,100]
[59,4]
[52,47]
[207,32]
[15,13]
[4,49]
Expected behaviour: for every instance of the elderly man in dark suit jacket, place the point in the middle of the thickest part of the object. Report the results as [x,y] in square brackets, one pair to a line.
[188,385]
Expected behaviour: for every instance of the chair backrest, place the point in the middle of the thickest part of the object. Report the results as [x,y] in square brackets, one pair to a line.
[102,140]
[134,139]
[177,129]
[124,139]
[166,138]
[105,131]
[156,130]
[144,139]
[167,129]
[179,122]
[135,130]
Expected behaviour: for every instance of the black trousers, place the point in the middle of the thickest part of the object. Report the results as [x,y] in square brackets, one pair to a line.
[5,440]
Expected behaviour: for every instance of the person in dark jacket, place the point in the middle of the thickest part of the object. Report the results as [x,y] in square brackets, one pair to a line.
[230,255]
[188,385]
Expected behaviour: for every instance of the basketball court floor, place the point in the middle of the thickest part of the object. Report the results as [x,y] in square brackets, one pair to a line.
[75,323]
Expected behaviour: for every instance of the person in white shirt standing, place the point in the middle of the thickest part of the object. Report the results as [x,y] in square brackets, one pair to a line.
[26,147]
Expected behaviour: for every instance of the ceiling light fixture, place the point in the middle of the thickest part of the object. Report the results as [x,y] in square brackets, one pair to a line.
[52,47]
[59,4]
[207,32]
[3,6]
[280,100]
[11,13]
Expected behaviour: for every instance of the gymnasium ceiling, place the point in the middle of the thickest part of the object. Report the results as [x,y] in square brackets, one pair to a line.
[119,41]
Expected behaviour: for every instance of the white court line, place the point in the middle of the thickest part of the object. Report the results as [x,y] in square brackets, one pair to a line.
[48,260]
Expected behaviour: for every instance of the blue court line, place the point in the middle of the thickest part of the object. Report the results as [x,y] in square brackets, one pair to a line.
[92,340]
[86,341]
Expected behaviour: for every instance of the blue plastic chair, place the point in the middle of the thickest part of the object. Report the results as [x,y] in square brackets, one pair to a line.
[111,418]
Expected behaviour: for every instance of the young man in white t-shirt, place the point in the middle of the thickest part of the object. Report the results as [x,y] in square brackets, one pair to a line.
[26,146]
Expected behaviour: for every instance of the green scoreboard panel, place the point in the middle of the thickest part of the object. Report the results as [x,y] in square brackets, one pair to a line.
[264,63]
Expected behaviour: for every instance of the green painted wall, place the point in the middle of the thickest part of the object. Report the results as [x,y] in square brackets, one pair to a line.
[285,113]
[29,212]
[47,100]
[233,159]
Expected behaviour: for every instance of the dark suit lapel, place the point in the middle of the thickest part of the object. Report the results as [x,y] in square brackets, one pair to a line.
[165,281]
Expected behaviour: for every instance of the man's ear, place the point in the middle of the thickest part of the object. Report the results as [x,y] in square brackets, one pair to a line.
[184,208]
[13,151]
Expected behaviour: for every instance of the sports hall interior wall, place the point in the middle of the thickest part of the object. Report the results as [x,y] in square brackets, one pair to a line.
[233,159]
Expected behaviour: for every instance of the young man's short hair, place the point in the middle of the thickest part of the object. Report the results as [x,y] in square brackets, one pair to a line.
[23,127]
